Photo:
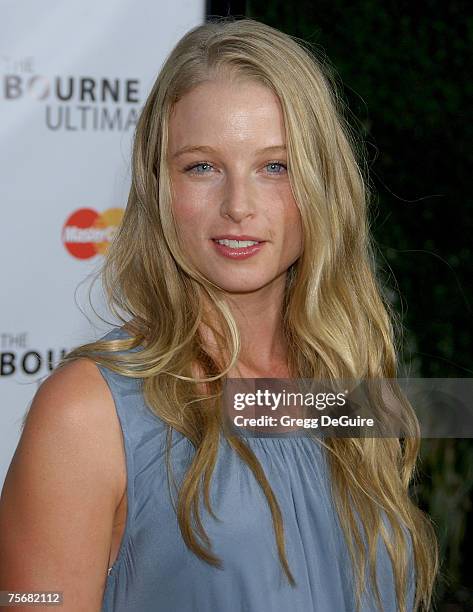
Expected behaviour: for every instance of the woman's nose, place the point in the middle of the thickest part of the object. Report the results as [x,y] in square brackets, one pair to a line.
[237,200]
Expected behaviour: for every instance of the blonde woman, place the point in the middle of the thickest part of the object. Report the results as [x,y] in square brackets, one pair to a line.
[124,493]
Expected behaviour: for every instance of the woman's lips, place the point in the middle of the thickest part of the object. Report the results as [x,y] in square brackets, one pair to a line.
[240,252]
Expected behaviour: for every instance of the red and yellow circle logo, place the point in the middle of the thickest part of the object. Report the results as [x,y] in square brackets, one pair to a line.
[87,233]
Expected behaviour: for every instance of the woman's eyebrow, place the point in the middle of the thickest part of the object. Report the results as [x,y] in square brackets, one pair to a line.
[207,149]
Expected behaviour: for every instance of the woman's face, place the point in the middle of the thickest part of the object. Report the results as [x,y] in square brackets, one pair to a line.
[231,186]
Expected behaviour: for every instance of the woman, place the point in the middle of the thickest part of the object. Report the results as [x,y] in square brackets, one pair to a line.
[242,138]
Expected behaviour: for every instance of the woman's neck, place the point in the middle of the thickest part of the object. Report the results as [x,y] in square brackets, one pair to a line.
[264,349]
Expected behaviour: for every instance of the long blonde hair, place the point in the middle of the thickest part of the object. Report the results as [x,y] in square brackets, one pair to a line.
[336,319]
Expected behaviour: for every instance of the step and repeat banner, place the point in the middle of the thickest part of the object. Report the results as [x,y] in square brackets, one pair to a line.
[74,76]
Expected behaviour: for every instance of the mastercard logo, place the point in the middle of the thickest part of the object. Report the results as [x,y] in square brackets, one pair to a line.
[87,233]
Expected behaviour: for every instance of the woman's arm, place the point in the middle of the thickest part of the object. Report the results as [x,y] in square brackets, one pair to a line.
[61,491]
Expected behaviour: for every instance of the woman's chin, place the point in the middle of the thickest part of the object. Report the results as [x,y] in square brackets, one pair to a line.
[235,286]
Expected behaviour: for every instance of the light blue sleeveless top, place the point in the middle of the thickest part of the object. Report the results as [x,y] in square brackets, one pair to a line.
[156,572]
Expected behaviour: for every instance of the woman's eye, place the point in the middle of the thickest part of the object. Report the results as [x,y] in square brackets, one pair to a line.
[192,167]
[276,164]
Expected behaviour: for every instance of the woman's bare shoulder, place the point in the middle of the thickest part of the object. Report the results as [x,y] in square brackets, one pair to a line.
[74,409]
[73,395]
[76,399]
[64,484]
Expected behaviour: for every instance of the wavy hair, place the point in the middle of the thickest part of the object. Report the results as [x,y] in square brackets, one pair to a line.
[337,320]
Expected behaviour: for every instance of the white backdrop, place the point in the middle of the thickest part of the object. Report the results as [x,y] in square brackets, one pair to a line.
[74,76]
